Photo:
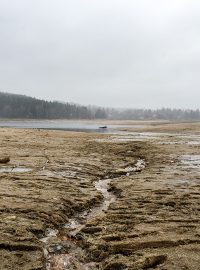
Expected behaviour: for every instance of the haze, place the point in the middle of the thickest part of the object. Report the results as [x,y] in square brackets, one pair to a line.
[116,53]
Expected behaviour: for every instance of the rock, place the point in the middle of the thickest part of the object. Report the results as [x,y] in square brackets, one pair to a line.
[91,230]
[11,217]
[152,261]
[115,266]
[55,248]
[4,160]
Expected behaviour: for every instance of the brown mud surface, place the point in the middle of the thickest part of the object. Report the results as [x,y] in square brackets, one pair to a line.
[55,178]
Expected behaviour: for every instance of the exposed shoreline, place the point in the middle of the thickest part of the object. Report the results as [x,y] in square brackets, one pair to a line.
[150,224]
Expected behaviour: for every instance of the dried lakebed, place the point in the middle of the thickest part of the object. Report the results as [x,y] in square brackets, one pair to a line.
[84,198]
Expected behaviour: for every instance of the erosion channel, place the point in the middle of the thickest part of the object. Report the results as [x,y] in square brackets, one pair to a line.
[63,250]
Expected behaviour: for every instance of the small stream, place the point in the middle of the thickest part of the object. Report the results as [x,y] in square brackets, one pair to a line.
[102,186]
[63,251]
[73,253]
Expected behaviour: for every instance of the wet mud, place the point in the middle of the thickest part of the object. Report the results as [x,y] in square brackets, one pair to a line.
[99,201]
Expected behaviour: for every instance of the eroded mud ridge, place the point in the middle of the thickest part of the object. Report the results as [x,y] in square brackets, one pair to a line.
[80,203]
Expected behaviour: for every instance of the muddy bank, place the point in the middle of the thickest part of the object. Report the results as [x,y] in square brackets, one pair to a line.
[59,183]
[123,218]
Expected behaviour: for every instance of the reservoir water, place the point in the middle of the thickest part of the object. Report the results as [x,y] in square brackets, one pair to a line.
[68,125]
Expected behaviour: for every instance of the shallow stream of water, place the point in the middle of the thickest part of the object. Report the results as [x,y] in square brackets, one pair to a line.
[71,257]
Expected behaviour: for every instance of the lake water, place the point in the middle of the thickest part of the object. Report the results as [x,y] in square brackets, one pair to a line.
[68,125]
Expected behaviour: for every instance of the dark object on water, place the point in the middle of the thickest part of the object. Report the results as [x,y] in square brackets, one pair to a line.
[103,127]
[4,160]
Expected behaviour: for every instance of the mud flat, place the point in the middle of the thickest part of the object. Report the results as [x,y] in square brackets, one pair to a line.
[95,201]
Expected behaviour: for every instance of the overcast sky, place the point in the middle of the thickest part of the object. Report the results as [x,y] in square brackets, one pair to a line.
[118,53]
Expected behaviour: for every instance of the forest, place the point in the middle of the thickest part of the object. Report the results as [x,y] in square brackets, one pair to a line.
[21,106]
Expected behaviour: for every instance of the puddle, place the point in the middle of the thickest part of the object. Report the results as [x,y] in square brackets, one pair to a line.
[14,169]
[188,137]
[135,136]
[191,161]
[170,143]
[180,183]
[159,137]
[193,142]
[49,173]
[183,182]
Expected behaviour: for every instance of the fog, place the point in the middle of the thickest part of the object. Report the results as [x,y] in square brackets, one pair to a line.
[116,53]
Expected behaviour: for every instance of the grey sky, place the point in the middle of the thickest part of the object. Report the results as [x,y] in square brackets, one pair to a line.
[120,53]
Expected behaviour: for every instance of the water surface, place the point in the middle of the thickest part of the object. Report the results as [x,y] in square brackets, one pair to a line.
[68,125]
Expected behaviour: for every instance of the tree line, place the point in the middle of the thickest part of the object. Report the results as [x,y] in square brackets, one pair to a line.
[158,114]
[21,106]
